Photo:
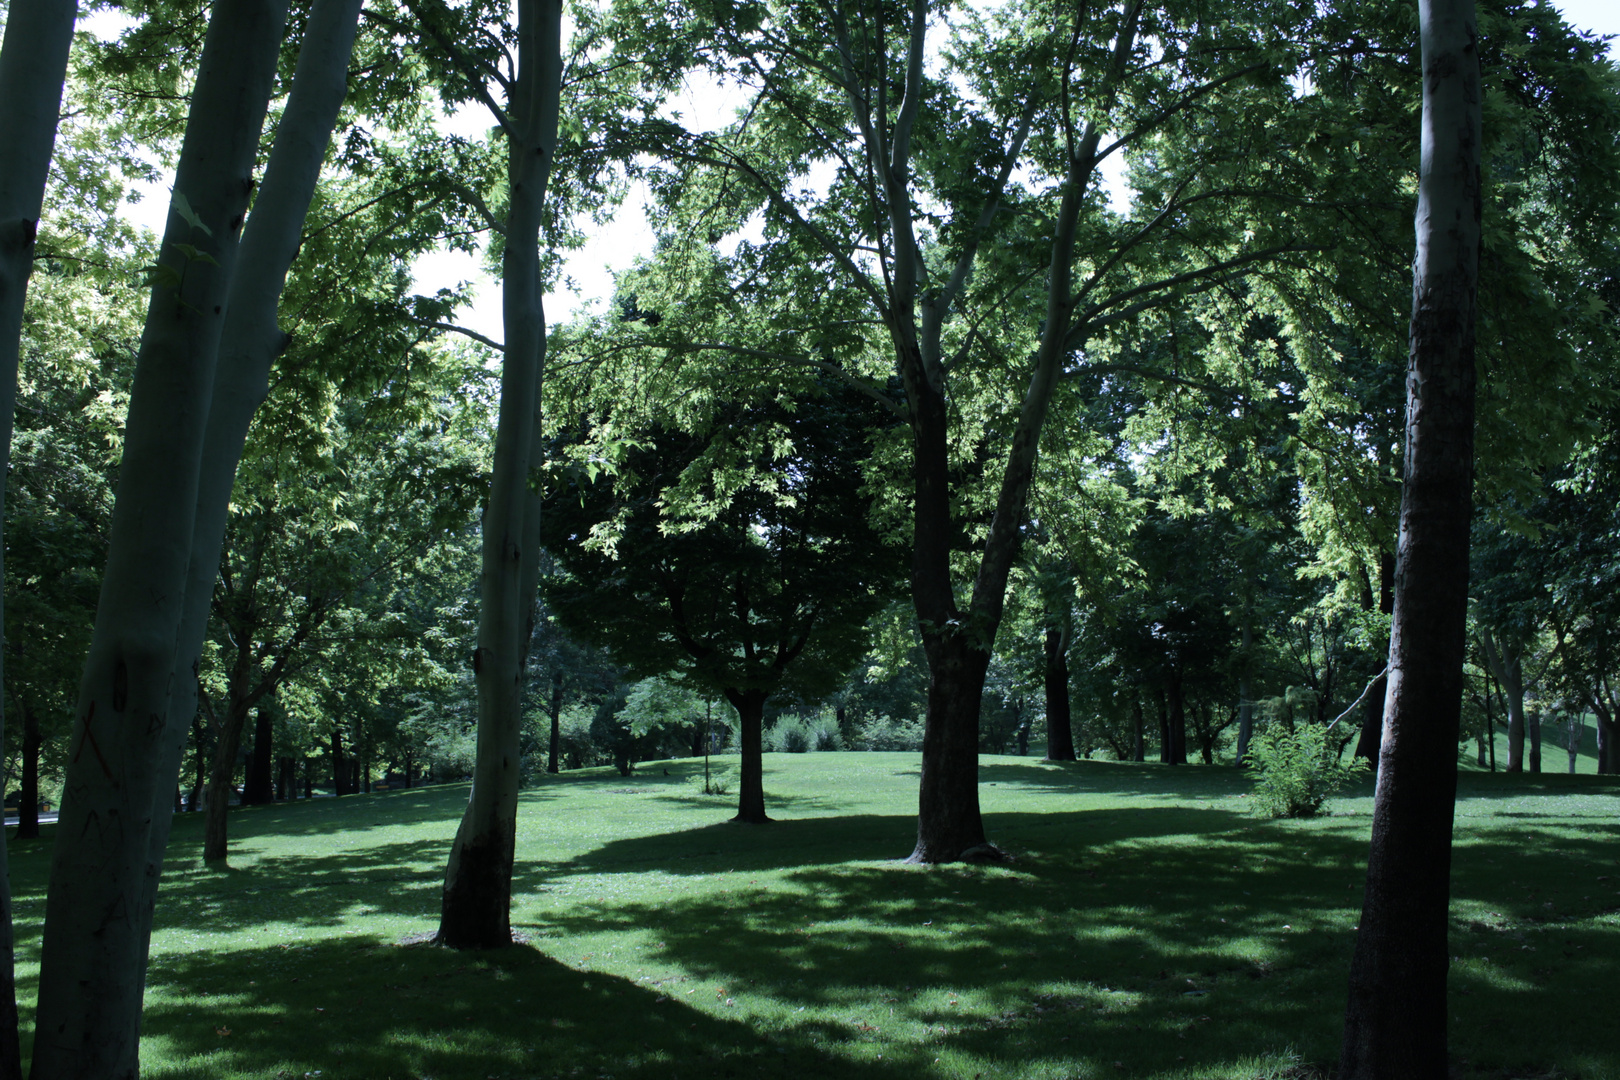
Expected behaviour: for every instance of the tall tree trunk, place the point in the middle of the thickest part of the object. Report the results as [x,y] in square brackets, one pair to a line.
[92,972]
[1574,729]
[476,910]
[250,339]
[1508,669]
[33,67]
[259,787]
[958,643]
[1176,720]
[28,808]
[1245,701]
[750,706]
[220,779]
[340,764]
[1608,739]
[1532,729]
[1395,1018]
[1140,724]
[555,711]
[1160,700]
[1059,732]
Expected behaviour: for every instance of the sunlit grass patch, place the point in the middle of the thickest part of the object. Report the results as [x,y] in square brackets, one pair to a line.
[1150,926]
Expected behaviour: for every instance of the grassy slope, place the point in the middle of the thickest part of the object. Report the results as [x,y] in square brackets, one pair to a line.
[1149,927]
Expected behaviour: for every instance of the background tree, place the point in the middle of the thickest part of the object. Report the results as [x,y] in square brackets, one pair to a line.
[740,560]
[1395,1021]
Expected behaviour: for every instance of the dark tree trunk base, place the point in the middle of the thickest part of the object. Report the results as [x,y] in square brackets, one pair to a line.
[477,910]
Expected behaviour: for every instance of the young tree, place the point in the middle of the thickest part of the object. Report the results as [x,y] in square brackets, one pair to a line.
[1395,1020]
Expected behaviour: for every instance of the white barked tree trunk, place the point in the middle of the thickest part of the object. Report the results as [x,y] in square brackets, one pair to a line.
[92,960]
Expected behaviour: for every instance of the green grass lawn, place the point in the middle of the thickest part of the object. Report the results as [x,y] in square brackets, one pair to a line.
[1149,927]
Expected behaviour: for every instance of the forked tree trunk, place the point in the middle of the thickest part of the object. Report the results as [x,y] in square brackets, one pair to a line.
[750,706]
[1059,731]
[249,342]
[476,910]
[33,67]
[94,947]
[1395,1019]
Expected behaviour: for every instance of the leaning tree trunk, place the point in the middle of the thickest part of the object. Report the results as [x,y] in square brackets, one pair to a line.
[750,706]
[249,342]
[476,910]
[33,67]
[1395,1019]
[92,970]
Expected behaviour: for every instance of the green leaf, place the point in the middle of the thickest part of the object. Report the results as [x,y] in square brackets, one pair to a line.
[161,274]
[182,206]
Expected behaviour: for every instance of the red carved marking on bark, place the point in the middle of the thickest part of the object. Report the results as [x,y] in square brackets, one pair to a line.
[90,737]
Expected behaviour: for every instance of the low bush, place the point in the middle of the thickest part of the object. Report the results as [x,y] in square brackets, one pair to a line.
[888,733]
[1296,772]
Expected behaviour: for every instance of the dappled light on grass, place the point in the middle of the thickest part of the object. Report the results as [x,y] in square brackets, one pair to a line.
[1149,926]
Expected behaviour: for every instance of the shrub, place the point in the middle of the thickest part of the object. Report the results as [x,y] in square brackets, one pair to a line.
[889,733]
[791,737]
[1295,773]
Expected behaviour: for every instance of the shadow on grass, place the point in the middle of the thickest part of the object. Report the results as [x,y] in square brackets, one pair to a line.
[363,1008]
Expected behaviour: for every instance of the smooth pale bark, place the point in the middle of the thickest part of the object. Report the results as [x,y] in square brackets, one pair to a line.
[249,341]
[93,953]
[1395,1018]
[1506,664]
[476,910]
[33,66]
